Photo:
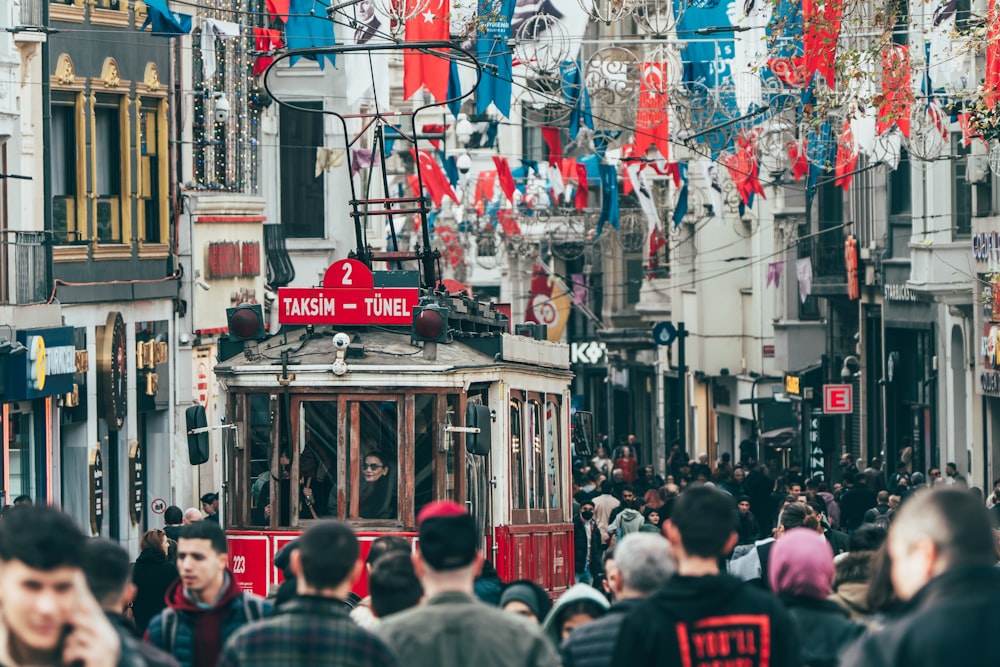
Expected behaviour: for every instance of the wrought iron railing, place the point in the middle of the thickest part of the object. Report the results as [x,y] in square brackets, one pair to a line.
[827,254]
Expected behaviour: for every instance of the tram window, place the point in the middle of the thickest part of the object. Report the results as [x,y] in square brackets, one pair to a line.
[377,431]
[516,456]
[318,459]
[260,456]
[536,464]
[552,454]
[423,454]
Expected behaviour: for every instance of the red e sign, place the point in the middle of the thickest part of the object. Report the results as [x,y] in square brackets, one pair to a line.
[838,399]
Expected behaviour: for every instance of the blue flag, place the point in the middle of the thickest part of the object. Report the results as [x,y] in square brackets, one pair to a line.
[454,89]
[165,22]
[309,27]
[609,197]
[682,198]
[576,97]
[495,56]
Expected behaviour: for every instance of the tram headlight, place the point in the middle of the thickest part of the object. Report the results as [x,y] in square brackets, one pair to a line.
[430,323]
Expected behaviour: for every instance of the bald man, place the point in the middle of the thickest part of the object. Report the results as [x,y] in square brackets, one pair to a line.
[943,554]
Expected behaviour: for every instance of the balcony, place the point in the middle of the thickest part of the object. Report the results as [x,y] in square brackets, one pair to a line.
[828,263]
[25,268]
[31,15]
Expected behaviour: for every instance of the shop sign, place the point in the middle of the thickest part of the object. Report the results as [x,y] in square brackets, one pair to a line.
[95,475]
[348,297]
[590,352]
[112,372]
[990,382]
[986,246]
[838,399]
[793,385]
[137,482]
[897,292]
[47,366]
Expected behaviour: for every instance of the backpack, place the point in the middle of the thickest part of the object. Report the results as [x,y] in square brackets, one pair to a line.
[254,609]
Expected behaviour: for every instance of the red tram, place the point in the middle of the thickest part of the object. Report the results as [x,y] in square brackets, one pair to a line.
[393,393]
[368,424]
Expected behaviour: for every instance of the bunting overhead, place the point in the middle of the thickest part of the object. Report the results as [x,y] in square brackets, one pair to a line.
[430,68]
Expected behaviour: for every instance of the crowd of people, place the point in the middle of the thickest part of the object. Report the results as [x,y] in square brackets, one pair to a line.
[675,571]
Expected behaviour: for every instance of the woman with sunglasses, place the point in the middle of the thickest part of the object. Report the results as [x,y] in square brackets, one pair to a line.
[378,495]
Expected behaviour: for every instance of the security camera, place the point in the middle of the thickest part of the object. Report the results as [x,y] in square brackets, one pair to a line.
[341,341]
[221,108]
[464,163]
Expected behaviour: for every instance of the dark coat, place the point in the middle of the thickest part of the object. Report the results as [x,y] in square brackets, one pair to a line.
[825,629]
[152,575]
[951,620]
[853,504]
[580,547]
[593,644]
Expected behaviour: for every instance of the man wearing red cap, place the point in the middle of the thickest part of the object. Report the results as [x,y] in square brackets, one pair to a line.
[452,628]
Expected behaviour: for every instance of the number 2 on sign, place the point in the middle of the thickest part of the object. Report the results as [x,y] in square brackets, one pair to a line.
[347,274]
[239,564]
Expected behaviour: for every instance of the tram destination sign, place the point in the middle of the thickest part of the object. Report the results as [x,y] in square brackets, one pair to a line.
[349,296]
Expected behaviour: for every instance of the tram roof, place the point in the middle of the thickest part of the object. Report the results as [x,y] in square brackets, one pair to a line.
[387,351]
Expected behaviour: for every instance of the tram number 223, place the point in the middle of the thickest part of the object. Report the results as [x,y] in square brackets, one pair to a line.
[239,564]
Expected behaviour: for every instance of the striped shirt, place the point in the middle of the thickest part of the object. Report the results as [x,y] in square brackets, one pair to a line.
[308,631]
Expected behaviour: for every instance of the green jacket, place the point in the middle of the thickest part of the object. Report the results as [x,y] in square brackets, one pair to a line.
[457,630]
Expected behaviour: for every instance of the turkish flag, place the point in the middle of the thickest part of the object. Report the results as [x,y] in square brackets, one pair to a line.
[506,178]
[265,39]
[822,20]
[897,90]
[992,85]
[847,158]
[278,8]
[433,177]
[430,68]
[651,126]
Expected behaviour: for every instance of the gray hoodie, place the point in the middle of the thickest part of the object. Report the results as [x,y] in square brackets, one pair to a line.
[628,521]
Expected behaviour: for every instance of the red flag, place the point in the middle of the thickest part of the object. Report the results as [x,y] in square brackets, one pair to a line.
[744,168]
[553,139]
[897,91]
[798,156]
[434,179]
[847,158]
[822,20]
[484,190]
[656,241]
[651,126]
[508,222]
[581,188]
[433,130]
[427,69]
[278,8]
[992,84]
[506,178]
[265,39]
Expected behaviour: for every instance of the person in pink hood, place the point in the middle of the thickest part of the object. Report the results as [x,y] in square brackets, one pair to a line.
[800,571]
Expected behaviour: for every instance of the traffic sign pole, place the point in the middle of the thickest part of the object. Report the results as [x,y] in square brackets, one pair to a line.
[682,335]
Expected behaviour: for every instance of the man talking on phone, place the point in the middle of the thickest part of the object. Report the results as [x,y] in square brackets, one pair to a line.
[48,616]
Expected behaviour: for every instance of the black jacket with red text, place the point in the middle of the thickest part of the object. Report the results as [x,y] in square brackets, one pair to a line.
[710,621]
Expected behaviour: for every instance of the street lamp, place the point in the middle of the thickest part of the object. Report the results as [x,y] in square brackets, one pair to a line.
[845,371]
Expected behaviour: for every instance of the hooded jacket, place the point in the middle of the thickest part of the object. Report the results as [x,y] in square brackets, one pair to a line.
[195,635]
[850,584]
[692,619]
[574,594]
[627,522]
